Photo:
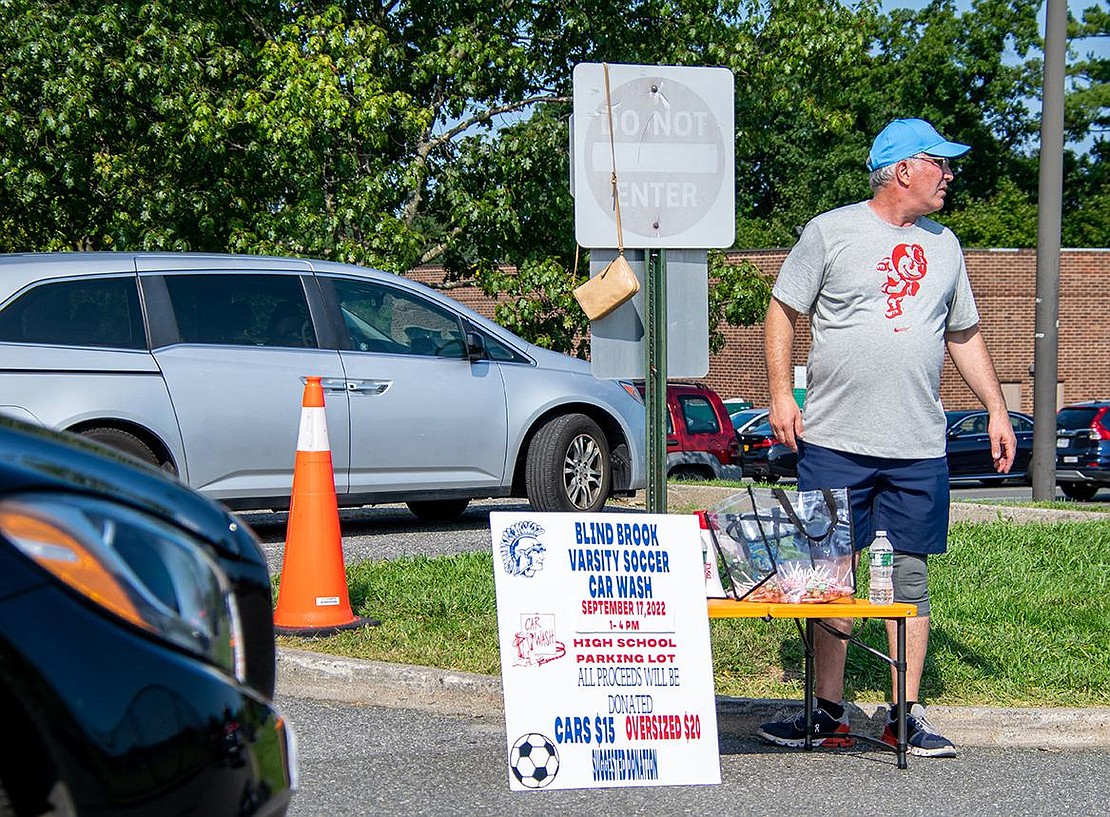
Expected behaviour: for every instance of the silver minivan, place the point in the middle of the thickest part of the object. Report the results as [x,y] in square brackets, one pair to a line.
[197,363]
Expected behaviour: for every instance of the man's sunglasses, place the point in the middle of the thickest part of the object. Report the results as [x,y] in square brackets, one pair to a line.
[943,164]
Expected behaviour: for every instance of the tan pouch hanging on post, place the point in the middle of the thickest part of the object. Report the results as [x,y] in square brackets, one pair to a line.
[616,283]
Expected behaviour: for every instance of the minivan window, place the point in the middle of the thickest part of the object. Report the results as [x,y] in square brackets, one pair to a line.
[241,310]
[97,312]
[383,319]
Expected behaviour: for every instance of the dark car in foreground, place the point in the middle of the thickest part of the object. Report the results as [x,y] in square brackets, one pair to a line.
[967,448]
[137,659]
[1083,448]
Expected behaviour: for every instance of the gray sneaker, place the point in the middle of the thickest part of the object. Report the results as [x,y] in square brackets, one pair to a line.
[922,738]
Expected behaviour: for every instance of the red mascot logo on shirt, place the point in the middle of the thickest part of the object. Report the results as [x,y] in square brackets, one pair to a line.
[904,269]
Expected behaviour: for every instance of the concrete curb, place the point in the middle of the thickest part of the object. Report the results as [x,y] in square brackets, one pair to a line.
[974,512]
[306,674]
[320,676]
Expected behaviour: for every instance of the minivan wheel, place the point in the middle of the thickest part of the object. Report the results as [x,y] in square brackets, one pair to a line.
[438,510]
[568,467]
[1080,491]
[127,443]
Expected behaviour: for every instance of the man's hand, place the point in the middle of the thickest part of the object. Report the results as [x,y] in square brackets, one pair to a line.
[1003,441]
[786,420]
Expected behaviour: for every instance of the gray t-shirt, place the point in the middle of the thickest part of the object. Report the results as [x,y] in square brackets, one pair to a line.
[880,299]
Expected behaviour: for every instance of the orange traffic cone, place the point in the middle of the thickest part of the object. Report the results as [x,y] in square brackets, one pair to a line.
[313,599]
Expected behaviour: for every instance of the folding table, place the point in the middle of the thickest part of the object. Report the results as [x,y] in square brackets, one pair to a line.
[813,614]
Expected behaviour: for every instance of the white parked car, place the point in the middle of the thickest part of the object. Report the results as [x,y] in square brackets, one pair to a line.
[197,363]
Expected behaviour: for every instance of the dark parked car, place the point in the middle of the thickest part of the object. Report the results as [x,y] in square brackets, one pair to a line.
[701,443]
[755,443]
[746,419]
[968,449]
[137,659]
[1083,448]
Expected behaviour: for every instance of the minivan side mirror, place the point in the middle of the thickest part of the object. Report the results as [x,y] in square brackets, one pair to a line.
[475,347]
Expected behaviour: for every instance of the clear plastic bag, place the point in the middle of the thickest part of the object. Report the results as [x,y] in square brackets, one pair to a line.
[786,546]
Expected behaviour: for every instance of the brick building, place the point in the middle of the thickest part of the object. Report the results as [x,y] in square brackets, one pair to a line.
[1004,282]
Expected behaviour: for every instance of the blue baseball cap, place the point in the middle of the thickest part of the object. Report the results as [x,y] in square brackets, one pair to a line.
[904,138]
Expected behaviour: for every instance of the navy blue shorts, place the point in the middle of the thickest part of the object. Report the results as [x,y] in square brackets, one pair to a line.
[906,498]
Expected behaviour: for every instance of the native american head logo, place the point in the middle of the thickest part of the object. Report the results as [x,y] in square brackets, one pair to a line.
[522,552]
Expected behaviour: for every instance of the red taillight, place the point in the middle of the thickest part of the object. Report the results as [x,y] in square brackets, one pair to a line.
[766,442]
[1098,425]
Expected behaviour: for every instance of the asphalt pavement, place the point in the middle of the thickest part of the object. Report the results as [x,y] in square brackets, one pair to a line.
[360,760]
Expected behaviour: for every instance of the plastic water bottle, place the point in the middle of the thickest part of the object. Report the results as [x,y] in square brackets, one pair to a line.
[880,559]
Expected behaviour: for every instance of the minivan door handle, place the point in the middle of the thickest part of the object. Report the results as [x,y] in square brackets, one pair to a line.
[370,387]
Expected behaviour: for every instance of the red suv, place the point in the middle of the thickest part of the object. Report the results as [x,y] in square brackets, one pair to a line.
[701,442]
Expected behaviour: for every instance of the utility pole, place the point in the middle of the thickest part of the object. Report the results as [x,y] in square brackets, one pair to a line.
[1049,208]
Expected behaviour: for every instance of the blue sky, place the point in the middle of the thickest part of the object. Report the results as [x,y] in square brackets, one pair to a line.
[1100,47]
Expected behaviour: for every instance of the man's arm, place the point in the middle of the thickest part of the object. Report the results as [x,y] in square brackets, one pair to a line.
[778,342]
[969,352]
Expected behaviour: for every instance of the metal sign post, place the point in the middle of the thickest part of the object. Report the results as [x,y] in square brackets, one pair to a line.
[655,367]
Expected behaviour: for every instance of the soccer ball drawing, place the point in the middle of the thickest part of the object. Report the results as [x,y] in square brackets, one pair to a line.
[534,760]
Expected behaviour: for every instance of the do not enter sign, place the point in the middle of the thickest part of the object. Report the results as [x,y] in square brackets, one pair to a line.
[673,147]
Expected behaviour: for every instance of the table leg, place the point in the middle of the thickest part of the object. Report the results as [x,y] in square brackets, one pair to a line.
[809,682]
[901,671]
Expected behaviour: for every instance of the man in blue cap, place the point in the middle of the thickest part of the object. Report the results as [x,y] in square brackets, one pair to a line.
[886,291]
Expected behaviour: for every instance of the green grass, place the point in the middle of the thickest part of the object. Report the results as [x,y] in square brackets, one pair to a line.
[1020,618]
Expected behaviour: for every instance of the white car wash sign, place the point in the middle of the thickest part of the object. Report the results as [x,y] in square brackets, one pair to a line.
[673,137]
[605,654]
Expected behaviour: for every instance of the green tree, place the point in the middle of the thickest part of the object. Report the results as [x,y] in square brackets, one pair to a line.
[968,73]
[1007,218]
[113,128]
[1087,104]
[1086,221]
[401,132]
